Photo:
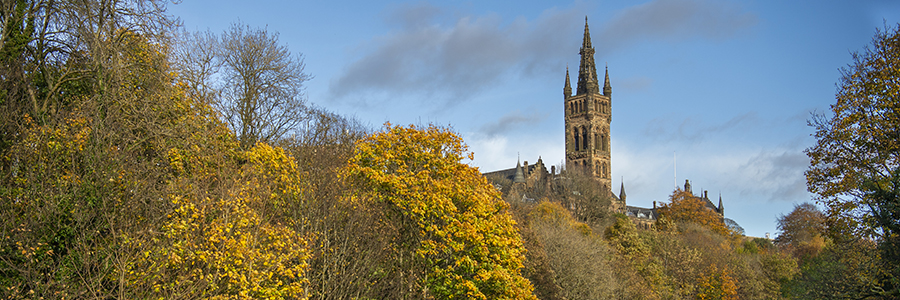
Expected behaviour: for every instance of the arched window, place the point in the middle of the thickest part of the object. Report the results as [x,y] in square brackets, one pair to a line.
[597,141]
[605,141]
[577,136]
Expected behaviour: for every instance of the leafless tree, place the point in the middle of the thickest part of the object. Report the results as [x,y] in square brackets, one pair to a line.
[264,97]
[196,60]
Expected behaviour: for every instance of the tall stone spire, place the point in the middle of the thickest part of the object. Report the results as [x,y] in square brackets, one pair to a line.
[622,192]
[587,71]
[567,90]
[607,89]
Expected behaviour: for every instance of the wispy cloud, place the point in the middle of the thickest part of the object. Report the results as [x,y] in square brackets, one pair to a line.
[510,121]
[741,172]
[778,173]
[676,21]
[695,129]
[442,57]
[446,62]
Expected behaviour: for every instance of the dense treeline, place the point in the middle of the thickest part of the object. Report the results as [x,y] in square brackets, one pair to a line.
[139,161]
[688,254]
[128,171]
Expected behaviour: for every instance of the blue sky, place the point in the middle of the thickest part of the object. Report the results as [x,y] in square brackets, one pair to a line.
[724,86]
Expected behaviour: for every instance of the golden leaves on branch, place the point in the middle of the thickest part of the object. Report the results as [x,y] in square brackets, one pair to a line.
[462,234]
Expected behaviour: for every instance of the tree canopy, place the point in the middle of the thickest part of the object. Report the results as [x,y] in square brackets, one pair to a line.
[685,207]
[855,163]
[453,223]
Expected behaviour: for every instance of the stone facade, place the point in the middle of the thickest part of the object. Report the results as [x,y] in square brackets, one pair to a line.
[588,114]
[522,176]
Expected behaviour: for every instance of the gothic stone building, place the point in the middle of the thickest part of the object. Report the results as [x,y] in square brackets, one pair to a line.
[588,114]
[587,117]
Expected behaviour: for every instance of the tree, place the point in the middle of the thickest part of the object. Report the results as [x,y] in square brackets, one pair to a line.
[685,207]
[229,241]
[579,259]
[855,163]
[857,149]
[196,60]
[802,231]
[734,226]
[717,283]
[263,94]
[457,239]
[849,270]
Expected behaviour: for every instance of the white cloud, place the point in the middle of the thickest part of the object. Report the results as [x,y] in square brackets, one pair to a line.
[498,152]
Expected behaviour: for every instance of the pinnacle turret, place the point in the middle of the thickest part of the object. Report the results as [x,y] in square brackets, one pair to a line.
[586,42]
[721,209]
[607,89]
[520,175]
[587,70]
[567,90]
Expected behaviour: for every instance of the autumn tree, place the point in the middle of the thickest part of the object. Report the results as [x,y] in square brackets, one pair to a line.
[685,207]
[854,164]
[55,49]
[802,230]
[578,257]
[456,238]
[848,270]
[857,150]
[581,192]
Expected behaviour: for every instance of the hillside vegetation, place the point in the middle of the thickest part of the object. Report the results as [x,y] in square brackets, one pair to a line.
[137,162]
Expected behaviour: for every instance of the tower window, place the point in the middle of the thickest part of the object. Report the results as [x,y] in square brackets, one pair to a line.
[575,133]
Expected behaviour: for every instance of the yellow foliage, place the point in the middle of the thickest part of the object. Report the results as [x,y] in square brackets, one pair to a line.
[717,284]
[464,236]
[553,212]
[227,246]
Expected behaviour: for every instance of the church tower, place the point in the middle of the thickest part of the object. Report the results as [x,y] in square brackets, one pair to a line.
[588,114]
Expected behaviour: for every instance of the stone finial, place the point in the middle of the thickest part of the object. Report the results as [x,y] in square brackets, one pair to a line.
[607,89]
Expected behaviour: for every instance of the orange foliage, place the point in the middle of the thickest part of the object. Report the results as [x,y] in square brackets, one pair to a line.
[685,207]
